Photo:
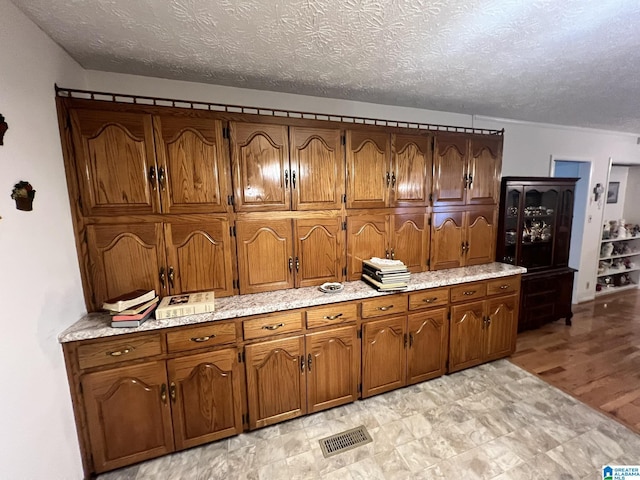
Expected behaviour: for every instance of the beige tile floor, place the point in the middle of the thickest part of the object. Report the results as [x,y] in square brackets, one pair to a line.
[495,421]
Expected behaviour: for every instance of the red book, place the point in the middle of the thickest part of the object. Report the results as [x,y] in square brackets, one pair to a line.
[138,316]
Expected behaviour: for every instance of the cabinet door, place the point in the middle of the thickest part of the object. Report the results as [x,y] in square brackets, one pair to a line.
[332,368]
[449,170]
[410,240]
[128,415]
[383,355]
[319,251]
[366,238]
[563,227]
[368,175]
[483,176]
[193,172]
[199,256]
[411,170]
[447,238]
[265,255]
[260,162]
[124,258]
[466,339]
[115,161]
[501,328]
[428,345]
[275,381]
[206,397]
[317,168]
[481,236]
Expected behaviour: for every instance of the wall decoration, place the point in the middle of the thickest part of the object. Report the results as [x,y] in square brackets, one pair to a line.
[612,192]
[3,128]
[23,193]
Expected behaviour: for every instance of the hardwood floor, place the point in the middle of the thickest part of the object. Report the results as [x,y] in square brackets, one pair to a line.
[596,360]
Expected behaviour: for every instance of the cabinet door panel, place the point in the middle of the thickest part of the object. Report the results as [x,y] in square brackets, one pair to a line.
[481,236]
[428,345]
[411,170]
[366,238]
[447,236]
[206,397]
[275,381]
[502,327]
[114,154]
[199,256]
[124,258]
[449,170]
[317,168]
[466,340]
[265,255]
[260,158]
[485,165]
[368,175]
[383,355]
[319,251]
[332,368]
[193,159]
[410,242]
[128,418]
[563,227]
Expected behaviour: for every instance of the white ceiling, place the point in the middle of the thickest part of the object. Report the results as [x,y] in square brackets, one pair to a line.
[571,62]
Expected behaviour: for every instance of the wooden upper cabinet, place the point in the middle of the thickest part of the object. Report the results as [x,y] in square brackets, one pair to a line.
[411,170]
[192,172]
[450,169]
[199,256]
[366,237]
[447,240]
[320,251]
[480,243]
[265,255]
[485,165]
[114,154]
[317,168]
[123,258]
[260,163]
[410,240]
[368,172]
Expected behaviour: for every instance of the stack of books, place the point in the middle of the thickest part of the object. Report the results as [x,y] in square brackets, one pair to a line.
[385,275]
[131,309]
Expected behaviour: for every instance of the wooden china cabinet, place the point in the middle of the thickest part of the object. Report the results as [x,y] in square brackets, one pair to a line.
[536,214]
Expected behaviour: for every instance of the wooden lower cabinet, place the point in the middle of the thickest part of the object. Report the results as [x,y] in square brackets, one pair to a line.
[294,376]
[403,350]
[482,331]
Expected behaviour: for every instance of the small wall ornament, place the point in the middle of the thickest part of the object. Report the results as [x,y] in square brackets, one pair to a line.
[23,194]
[3,128]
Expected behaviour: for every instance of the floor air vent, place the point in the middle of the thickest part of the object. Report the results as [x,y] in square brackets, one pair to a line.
[344,441]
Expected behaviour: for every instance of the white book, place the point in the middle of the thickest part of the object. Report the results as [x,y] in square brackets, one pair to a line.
[186,304]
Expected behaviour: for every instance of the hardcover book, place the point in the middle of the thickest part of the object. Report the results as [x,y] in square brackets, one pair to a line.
[128,300]
[129,321]
[385,277]
[138,308]
[384,287]
[187,304]
[383,265]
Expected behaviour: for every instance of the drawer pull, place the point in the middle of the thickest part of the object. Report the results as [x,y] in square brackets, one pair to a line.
[202,339]
[504,287]
[429,300]
[332,317]
[119,353]
[172,392]
[384,309]
[469,292]
[273,327]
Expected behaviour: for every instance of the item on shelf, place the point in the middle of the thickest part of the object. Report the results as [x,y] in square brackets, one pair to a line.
[606,231]
[635,231]
[622,229]
[331,287]
[510,237]
[128,300]
[606,250]
[602,266]
[513,211]
[622,280]
[187,304]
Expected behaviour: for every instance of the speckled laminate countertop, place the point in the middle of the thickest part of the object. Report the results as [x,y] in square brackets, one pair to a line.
[97,325]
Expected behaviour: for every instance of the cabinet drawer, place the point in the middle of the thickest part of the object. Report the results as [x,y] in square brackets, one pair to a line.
[468,291]
[332,315]
[503,285]
[118,350]
[379,307]
[434,297]
[272,325]
[201,336]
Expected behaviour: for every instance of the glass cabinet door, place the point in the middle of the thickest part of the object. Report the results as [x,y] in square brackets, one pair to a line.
[511,217]
[538,224]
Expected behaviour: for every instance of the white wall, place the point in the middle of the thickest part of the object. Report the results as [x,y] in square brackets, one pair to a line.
[632,196]
[616,211]
[40,289]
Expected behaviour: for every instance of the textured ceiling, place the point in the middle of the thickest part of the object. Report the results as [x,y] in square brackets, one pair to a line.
[571,62]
